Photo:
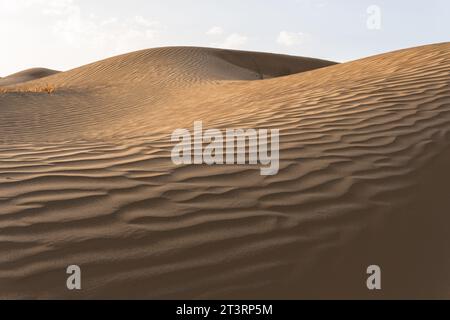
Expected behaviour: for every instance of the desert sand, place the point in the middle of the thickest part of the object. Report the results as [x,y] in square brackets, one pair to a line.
[86,177]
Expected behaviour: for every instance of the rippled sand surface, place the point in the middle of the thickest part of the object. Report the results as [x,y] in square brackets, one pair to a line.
[86,178]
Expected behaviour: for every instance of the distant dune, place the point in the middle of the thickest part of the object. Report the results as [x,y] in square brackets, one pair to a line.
[26,75]
[86,177]
[136,87]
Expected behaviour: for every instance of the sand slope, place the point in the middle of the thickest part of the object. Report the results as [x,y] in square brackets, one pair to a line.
[86,178]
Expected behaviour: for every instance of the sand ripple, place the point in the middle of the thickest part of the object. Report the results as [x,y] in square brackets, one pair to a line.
[86,178]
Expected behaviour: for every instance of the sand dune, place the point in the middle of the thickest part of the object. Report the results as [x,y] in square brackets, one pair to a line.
[139,89]
[86,178]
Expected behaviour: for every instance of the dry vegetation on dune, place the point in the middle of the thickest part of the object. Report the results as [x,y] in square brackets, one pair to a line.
[46,88]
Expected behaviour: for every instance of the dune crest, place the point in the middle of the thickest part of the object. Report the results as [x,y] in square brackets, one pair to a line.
[86,178]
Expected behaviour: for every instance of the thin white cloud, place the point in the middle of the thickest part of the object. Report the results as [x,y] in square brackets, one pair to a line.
[290,39]
[79,29]
[64,34]
[110,34]
[56,7]
[233,41]
[8,7]
[215,31]
[140,20]
[53,7]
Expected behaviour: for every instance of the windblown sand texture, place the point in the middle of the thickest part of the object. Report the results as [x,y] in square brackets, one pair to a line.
[86,178]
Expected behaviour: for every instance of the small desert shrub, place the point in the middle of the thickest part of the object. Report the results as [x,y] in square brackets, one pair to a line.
[47,88]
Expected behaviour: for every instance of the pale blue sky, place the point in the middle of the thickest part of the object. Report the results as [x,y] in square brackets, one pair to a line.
[63,34]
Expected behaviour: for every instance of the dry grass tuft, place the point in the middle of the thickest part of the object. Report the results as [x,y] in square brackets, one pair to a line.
[47,88]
